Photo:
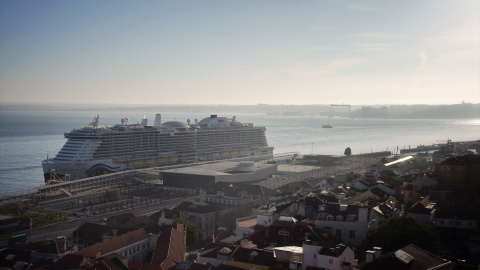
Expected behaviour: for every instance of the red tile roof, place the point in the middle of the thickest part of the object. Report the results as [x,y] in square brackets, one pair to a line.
[113,244]
[170,248]
[248,223]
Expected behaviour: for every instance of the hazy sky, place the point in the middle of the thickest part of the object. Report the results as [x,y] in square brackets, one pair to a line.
[240,51]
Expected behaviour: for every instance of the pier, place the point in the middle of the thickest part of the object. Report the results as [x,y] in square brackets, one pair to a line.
[422,148]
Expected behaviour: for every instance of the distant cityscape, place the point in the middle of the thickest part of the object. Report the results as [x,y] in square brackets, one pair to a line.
[421,111]
[418,210]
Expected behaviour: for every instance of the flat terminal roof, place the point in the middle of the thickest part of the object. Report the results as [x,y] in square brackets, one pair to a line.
[221,168]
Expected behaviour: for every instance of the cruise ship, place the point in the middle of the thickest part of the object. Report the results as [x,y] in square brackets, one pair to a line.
[96,150]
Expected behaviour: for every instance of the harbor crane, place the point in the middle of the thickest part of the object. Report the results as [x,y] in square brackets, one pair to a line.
[343,105]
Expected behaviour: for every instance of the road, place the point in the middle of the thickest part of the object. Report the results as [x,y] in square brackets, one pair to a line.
[67,227]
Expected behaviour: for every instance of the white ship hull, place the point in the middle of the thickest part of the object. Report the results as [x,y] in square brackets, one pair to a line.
[61,170]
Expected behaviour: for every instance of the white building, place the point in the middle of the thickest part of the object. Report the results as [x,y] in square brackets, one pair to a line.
[205,216]
[334,258]
[348,223]
[245,226]
[228,199]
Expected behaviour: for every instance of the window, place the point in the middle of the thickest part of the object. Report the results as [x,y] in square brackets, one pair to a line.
[329,218]
[443,196]
[410,194]
[338,233]
[138,248]
[330,261]
[470,224]
[351,234]
[315,255]
[441,222]
[339,218]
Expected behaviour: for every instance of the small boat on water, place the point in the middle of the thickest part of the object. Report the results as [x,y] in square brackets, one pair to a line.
[326,126]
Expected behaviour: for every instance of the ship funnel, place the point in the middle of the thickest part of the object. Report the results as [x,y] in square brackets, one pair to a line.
[158,120]
[144,120]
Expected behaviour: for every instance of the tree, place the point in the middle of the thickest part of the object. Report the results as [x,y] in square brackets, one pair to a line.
[193,232]
[397,232]
[348,151]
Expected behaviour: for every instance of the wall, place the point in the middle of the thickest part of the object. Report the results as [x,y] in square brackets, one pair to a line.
[360,229]
[310,255]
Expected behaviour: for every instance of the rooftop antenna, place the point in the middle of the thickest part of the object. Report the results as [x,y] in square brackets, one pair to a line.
[94,122]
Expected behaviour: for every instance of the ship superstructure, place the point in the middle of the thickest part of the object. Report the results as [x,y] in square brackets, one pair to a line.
[95,149]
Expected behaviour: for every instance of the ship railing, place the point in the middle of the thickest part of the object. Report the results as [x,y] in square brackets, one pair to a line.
[234,127]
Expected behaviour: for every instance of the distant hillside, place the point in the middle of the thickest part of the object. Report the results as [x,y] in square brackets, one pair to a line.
[450,111]
[454,111]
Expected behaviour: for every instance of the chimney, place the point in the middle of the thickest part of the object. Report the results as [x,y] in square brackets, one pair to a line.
[252,256]
[85,261]
[370,256]
[378,252]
